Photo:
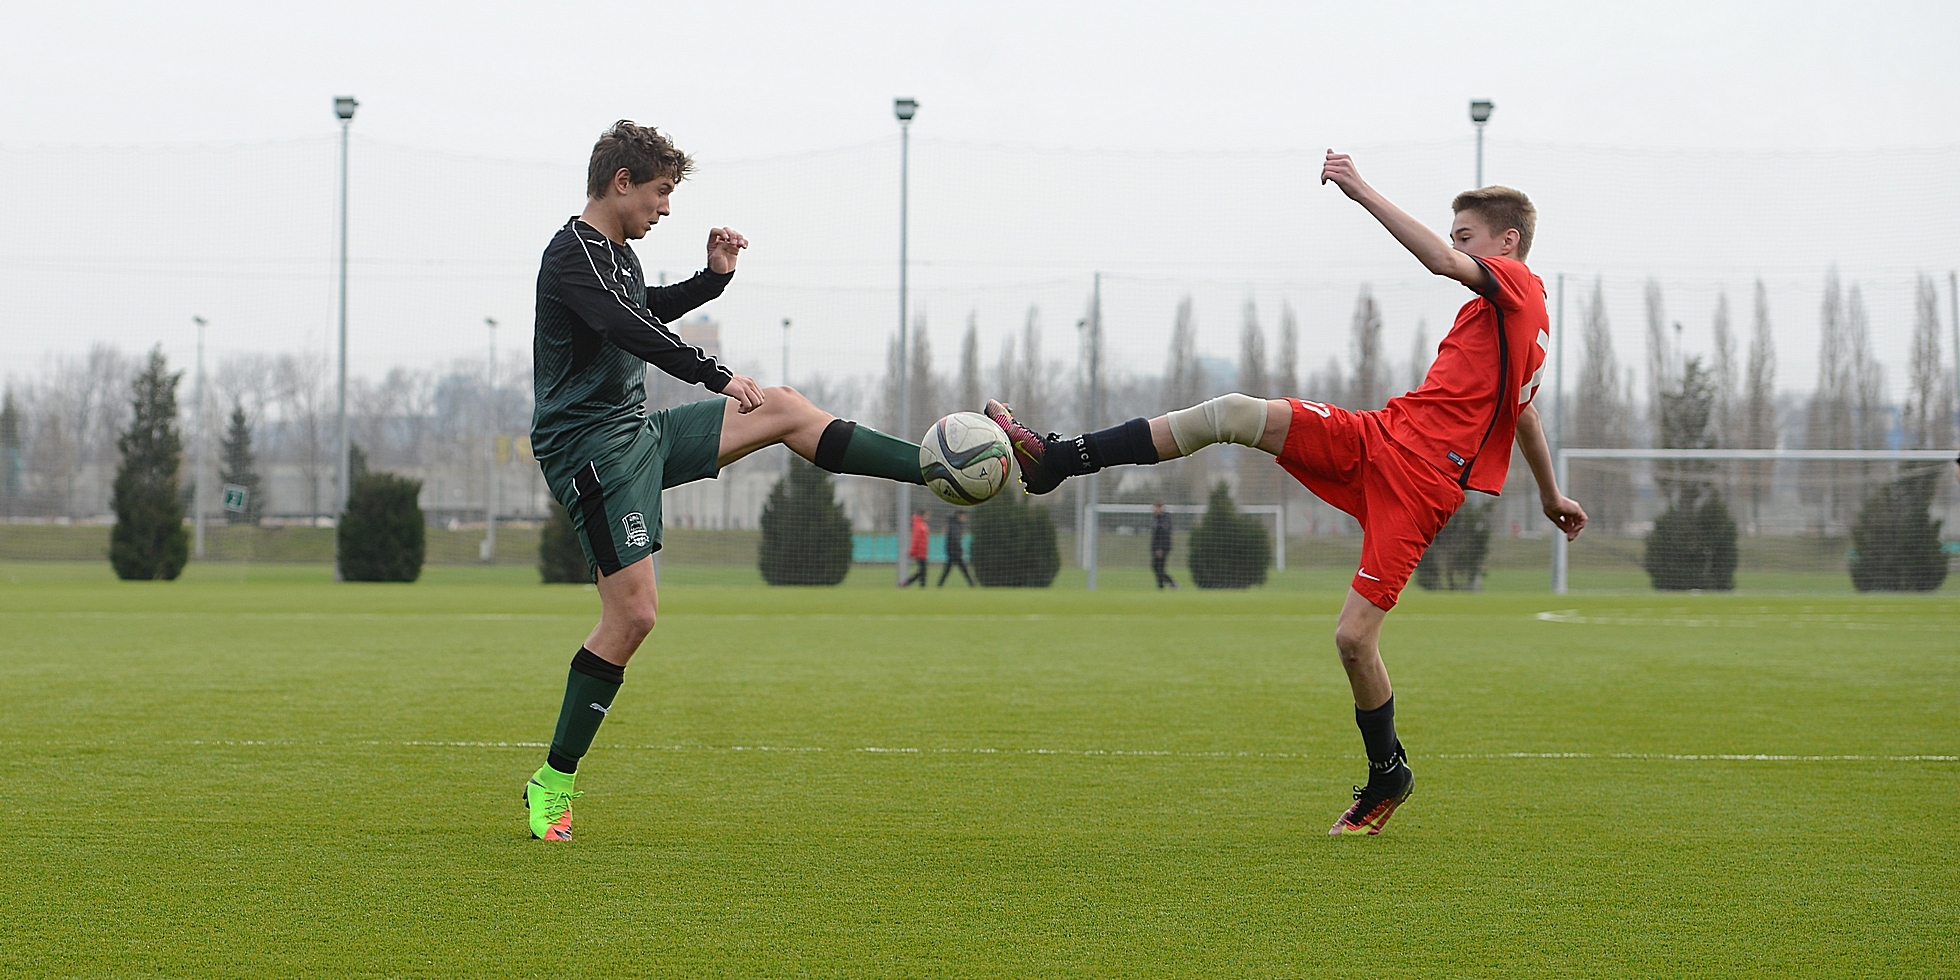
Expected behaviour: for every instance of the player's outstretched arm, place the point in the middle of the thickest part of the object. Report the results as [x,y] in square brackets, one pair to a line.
[1429,248]
[1563,510]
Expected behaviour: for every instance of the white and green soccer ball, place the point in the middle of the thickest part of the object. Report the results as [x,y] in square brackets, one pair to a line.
[965,458]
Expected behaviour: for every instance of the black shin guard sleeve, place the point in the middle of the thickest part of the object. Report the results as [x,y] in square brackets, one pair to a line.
[1378,733]
[590,687]
[592,665]
[1129,443]
[831,445]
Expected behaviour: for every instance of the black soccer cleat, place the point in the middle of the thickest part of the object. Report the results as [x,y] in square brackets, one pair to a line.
[1377,801]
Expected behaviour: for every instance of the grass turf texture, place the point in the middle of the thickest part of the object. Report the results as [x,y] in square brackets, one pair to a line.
[273,775]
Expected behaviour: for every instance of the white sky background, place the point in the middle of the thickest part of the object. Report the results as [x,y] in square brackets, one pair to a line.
[158,161]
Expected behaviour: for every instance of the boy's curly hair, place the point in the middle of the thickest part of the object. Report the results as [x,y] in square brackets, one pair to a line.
[641,151]
[1501,208]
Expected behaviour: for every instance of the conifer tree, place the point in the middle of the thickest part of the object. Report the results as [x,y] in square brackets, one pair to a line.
[806,535]
[149,541]
[1014,543]
[238,467]
[12,465]
[560,559]
[1228,549]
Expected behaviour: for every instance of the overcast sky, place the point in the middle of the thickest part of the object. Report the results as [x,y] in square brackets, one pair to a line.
[1612,116]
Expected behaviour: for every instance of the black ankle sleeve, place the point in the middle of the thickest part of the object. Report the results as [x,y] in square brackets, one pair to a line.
[594,666]
[1121,444]
[830,445]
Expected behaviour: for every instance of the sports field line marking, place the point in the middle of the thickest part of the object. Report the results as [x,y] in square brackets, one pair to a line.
[1805,620]
[1688,757]
[1113,753]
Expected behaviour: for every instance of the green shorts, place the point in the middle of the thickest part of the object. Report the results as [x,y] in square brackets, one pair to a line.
[611,485]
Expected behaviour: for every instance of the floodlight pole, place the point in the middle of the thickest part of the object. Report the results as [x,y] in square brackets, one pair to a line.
[1086,533]
[1480,114]
[488,551]
[785,352]
[343,107]
[197,481]
[904,109]
[1953,299]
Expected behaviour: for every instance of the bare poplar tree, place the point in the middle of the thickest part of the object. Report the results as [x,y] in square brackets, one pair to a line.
[1253,379]
[1722,377]
[1660,353]
[970,398]
[1758,422]
[1868,376]
[1929,402]
[1031,381]
[1183,380]
[1286,376]
[1421,356]
[1004,376]
[1366,388]
[305,417]
[927,394]
[1600,420]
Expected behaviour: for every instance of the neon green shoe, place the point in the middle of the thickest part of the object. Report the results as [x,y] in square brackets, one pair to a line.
[548,796]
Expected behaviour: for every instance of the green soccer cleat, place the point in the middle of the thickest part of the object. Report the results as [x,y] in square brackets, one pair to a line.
[548,797]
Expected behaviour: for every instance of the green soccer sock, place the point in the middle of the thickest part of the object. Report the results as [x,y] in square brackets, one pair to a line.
[847,447]
[589,690]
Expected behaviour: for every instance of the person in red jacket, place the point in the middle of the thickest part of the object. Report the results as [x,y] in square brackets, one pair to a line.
[919,549]
[1401,471]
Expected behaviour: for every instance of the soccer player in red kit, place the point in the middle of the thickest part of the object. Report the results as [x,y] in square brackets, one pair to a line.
[1401,471]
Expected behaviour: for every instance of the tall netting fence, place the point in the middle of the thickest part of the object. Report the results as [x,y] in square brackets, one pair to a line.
[1084,287]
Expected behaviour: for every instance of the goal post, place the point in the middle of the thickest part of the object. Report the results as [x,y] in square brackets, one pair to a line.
[1806,500]
[1091,548]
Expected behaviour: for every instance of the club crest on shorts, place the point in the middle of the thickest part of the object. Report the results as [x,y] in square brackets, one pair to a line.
[636,530]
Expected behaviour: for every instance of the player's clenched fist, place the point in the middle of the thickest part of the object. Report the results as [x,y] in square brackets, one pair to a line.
[1339,169]
[724,246]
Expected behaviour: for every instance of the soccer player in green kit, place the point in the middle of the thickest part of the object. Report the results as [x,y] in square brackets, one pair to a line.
[606,458]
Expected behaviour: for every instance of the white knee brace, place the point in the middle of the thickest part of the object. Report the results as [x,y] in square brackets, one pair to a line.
[1227,418]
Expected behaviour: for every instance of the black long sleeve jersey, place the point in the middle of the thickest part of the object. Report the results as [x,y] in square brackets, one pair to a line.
[596,322]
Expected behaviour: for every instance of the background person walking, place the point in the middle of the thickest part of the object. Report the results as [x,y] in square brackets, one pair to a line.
[955,549]
[1160,545]
[921,542]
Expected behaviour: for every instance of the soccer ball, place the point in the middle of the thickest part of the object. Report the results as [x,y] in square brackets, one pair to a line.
[964,458]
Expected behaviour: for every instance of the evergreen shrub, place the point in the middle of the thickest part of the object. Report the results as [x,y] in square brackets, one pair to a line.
[149,541]
[1896,541]
[1455,560]
[806,535]
[560,559]
[1228,549]
[382,537]
[1014,543]
[1693,545]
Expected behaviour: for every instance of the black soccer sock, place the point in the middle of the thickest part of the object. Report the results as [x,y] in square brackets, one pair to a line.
[589,690]
[847,447]
[1378,734]
[1114,446]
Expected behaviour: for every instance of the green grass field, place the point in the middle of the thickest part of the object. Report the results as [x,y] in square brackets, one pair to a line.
[255,772]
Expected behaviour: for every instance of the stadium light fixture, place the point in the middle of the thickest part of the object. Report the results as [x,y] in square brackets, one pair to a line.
[1480,114]
[343,109]
[904,109]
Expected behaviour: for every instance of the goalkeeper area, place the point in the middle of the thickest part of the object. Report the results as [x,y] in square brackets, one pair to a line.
[256,772]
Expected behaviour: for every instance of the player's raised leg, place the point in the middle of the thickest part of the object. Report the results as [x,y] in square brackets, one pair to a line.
[837,445]
[1357,636]
[1048,460]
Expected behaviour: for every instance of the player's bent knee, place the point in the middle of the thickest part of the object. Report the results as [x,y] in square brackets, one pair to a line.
[1353,642]
[1235,418]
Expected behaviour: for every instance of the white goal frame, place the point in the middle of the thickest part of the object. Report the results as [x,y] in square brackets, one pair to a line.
[1094,512]
[1560,546]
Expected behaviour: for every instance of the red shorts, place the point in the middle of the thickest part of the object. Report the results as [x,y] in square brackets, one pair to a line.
[1347,459]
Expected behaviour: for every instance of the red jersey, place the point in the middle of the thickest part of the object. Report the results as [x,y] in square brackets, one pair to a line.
[1464,416]
[921,538]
